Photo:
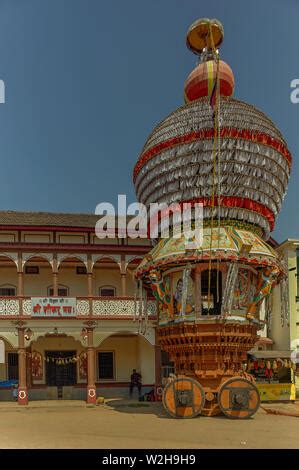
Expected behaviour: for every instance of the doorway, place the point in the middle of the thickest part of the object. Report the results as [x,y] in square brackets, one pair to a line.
[60,369]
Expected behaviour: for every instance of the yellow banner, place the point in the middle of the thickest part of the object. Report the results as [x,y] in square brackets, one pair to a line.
[277,392]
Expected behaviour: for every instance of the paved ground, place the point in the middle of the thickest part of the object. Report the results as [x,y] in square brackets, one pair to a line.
[125,424]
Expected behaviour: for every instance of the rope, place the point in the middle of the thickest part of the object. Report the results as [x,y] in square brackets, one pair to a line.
[216,170]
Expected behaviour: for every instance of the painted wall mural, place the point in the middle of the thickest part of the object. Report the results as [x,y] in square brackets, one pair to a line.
[36,365]
[83,365]
[245,289]
[180,309]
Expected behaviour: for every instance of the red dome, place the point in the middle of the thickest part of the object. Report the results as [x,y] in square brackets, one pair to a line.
[201,80]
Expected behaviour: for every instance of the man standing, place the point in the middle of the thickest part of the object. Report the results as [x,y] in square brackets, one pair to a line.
[135,382]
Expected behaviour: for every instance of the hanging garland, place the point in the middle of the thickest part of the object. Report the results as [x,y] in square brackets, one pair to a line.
[270,365]
[60,361]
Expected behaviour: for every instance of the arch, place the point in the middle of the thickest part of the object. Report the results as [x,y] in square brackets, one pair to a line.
[38,335]
[107,271]
[133,352]
[11,256]
[115,258]
[5,340]
[30,256]
[150,339]
[9,278]
[130,259]
[67,274]
[82,258]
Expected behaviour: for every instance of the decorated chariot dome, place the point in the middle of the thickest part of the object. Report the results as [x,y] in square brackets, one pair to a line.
[230,157]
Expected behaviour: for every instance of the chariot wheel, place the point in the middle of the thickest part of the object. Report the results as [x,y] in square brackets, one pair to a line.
[183,397]
[238,398]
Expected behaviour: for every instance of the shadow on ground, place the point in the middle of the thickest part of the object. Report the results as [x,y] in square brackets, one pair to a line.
[125,405]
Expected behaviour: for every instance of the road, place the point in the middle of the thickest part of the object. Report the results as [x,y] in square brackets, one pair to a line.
[73,425]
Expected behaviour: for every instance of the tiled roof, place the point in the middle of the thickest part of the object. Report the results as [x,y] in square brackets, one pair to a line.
[47,219]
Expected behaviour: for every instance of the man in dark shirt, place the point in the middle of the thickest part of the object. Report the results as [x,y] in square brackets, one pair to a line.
[135,382]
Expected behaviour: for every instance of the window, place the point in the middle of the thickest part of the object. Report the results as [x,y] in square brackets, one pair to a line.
[31,269]
[107,291]
[106,365]
[12,366]
[8,291]
[211,304]
[81,270]
[63,291]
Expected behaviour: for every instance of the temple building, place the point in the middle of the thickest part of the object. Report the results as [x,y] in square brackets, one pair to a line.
[68,326]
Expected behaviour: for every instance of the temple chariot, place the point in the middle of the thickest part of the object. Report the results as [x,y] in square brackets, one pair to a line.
[228,156]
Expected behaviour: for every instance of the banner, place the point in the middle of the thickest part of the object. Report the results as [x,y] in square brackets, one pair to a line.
[53,306]
[277,392]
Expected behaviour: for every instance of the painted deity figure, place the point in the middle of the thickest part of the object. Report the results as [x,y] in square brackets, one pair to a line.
[162,293]
[178,299]
[266,281]
[36,365]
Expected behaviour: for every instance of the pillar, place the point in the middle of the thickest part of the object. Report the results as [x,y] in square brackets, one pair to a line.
[55,283]
[22,391]
[158,370]
[20,276]
[197,292]
[89,285]
[55,275]
[123,274]
[20,284]
[91,388]
[123,284]
[90,290]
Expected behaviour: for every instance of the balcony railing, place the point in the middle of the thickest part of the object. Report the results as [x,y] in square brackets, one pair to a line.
[84,307]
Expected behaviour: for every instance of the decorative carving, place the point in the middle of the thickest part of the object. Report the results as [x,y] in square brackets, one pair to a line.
[83,307]
[119,307]
[26,306]
[115,307]
[9,307]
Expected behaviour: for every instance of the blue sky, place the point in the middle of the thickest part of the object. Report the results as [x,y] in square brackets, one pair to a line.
[86,81]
